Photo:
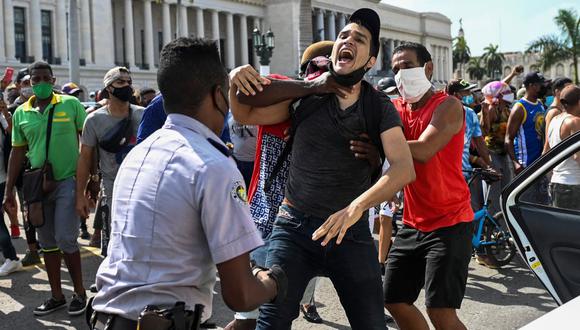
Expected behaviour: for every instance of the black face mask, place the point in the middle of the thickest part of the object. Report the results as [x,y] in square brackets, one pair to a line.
[350,79]
[123,93]
[543,91]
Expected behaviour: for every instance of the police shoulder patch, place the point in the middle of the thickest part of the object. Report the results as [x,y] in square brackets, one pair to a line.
[239,192]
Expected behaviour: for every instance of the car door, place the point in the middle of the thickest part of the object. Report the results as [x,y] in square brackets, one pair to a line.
[547,234]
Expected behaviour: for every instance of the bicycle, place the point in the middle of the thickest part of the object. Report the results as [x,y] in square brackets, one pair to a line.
[488,230]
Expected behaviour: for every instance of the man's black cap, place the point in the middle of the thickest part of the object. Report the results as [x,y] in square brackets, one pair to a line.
[370,20]
[534,78]
[459,85]
[387,85]
[21,74]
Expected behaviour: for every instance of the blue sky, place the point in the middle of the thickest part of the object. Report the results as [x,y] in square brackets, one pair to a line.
[510,23]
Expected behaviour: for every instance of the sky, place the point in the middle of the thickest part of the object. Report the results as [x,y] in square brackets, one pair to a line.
[512,24]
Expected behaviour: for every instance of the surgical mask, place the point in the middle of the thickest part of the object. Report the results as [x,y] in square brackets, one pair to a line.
[508,97]
[467,99]
[123,93]
[42,90]
[412,84]
[393,97]
[549,100]
[349,79]
[26,92]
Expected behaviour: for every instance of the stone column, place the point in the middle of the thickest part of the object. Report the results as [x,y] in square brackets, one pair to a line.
[104,51]
[199,23]
[244,39]
[319,24]
[86,35]
[183,26]
[341,21]
[35,30]
[2,46]
[230,50]
[166,16]
[149,57]
[9,30]
[215,27]
[330,26]
[380,57]
[61,48]
[129,35]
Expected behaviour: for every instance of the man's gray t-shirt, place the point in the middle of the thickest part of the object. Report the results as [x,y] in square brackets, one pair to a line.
[97,124]
[324,174]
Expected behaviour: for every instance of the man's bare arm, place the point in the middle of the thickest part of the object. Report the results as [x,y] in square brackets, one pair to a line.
[513,125]
[447,121]
[482,150]
[400,173]
[84,165]
[241,290]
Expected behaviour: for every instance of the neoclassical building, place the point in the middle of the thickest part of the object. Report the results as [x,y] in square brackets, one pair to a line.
[132,33]
[530,62]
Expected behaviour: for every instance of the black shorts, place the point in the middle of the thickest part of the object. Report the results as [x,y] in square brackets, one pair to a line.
[437,260]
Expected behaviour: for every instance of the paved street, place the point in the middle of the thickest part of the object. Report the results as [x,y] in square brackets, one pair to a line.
[495,299]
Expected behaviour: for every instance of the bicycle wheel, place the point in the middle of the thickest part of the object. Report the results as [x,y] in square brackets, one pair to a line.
[503,250]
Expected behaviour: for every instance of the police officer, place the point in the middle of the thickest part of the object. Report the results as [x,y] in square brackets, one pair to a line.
[179,206]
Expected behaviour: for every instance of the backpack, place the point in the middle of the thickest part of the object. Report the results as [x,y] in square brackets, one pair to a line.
[373,102]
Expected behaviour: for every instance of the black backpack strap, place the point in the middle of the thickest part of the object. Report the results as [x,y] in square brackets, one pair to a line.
[305,109]
[49,130]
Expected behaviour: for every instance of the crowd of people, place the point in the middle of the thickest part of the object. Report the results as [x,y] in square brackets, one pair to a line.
[270,182]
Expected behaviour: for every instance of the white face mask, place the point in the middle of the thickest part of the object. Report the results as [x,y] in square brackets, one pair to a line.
[508,97]
[412,84]
[26,92]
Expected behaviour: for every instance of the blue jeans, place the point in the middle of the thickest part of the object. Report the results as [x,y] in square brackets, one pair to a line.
[351,266]
[5,243]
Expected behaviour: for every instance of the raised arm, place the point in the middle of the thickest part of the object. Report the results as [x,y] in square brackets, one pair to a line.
[446,122]
[400,173]
[513,125]
[260,101]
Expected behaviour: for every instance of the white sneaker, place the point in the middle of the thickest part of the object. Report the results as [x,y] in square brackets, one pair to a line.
[10,266]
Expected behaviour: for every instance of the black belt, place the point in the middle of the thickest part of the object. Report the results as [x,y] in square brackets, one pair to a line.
[104,321]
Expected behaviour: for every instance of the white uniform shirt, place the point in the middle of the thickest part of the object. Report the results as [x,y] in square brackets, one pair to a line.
[179,208]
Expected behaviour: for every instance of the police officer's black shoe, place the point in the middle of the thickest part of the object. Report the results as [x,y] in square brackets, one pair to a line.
[49,306]
[77,305]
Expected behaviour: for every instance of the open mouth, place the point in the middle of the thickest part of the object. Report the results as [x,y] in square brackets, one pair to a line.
[345,56]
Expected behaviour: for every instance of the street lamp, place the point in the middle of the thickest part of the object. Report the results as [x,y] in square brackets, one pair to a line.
[264,46]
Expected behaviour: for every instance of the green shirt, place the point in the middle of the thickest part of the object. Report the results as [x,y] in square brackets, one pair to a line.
[29,129]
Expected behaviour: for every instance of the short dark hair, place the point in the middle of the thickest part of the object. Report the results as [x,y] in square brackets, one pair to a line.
[40,65]
[146,90]
[189,69]
[560,83]
[423,55]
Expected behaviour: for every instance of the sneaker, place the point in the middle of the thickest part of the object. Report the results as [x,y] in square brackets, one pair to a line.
[31,258]
[77,305]
[311,314]
[486,261]
[93,288]
[85,234]
[95,241]
[10,266]
[50,306]
[14,231]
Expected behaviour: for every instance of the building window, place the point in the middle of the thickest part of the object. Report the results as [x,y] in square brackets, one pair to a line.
[20,33]
[46,19]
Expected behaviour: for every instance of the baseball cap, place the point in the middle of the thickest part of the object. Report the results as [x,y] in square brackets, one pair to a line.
[535,77]
[459,85]
[370,20]
[321,48]
[114,74]
[21,74]
[387,85]
[70,88]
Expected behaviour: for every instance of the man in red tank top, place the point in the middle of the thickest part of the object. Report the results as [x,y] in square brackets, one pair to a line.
[433,248]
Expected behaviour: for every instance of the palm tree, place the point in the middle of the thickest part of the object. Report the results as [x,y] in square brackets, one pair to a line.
[461,53]
[474,69]
[556,48]
[492,60]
